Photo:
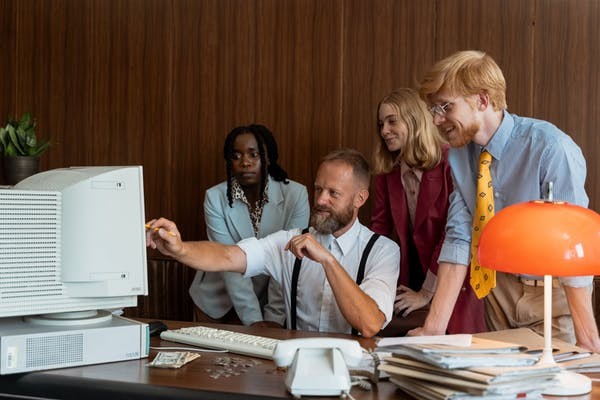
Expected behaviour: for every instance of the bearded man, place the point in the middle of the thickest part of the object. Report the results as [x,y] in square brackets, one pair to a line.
[499,159]
[325,285]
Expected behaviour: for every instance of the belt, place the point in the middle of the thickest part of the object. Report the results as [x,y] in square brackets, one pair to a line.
[535,282]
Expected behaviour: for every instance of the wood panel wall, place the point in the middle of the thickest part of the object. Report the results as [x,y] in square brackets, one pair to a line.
[161,82]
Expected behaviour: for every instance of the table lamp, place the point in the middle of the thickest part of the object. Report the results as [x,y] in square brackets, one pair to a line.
[545,238]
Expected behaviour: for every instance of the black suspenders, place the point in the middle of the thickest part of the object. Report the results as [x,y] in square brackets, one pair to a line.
[294,288]
[296,272]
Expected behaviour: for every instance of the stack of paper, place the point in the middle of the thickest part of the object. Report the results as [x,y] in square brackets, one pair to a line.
[567,355]
[487,368]
[482,352]
[583,365]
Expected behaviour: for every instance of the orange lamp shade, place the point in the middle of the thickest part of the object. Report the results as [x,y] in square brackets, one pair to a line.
[542,238]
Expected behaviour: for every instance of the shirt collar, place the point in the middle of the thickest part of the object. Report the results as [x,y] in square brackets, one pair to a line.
[404,168]
[498,141]
[348,240]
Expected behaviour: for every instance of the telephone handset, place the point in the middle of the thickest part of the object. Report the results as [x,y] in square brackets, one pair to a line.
[318,365]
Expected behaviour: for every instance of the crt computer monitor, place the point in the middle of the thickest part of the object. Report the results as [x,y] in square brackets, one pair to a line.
[72,241]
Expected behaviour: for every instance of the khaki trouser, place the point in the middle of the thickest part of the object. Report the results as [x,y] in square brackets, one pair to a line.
[512,304]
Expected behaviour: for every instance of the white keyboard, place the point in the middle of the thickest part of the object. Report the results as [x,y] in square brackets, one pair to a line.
[235,342]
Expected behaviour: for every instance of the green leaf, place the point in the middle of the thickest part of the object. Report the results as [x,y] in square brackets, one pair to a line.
[42,146]
[30,140]
[11,151]
[19,138]
[14,141]
[3,138]
[26,121]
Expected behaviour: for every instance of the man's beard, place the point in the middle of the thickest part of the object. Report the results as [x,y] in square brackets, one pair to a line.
[332,222]
[464,135]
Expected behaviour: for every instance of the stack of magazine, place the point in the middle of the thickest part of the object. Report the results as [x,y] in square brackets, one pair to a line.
[486,368]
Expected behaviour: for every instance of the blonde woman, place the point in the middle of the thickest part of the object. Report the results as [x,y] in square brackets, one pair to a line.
[412,186]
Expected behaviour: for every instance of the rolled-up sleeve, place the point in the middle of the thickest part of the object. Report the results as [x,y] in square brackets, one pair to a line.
[457,243]
[267,256]
[381,279]
[255,257]
[576,281]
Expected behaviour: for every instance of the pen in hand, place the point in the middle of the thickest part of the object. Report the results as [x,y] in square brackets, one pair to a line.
[156,230]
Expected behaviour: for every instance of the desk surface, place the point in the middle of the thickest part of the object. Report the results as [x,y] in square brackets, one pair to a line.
[133,379]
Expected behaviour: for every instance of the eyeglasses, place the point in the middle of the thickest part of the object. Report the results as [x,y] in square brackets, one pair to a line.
[439,109]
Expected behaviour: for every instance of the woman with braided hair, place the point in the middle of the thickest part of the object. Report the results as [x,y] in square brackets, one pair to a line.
[257,199]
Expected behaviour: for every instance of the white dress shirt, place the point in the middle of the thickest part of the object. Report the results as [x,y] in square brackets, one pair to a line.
[317,309]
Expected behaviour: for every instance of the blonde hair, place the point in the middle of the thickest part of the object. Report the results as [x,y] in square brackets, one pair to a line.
[423,148]
[466,73]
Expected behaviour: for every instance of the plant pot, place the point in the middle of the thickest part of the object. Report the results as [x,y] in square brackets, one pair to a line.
[18,168]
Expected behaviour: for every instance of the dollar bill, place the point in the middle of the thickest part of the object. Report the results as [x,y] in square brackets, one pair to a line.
[172,359]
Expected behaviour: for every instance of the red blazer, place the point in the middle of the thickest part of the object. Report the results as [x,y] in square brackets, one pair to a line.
[390,213]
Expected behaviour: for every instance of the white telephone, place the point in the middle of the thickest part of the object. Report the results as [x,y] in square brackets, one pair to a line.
[318,365]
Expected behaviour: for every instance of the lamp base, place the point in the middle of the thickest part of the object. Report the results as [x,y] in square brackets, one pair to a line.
[570,384]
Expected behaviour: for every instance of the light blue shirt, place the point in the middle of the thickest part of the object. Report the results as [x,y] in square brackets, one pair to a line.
[527,154]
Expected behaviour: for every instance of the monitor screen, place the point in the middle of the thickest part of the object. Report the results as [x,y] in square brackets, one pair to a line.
[72,240]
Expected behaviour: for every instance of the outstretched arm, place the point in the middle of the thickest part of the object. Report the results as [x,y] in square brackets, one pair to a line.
[358,308]
[164,236]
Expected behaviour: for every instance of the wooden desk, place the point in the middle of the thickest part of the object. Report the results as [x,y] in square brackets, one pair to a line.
[134,380]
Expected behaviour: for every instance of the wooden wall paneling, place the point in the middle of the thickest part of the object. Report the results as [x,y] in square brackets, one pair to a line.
[268,65]
[32,60]
[501,28]
[29,87]
[213,91]
[24,67]
[567,83]
[50,77]
[129,92]
[7,54]
[387,44]
[298,64]
[196,157]
[66,101]
[51,97]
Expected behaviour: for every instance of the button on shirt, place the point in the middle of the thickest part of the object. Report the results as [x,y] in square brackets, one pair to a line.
[527,155]
[317,309]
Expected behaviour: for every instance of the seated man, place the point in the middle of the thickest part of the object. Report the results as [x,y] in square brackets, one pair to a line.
[328,298]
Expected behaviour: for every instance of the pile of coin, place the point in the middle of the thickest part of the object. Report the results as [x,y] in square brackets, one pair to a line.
[228,366]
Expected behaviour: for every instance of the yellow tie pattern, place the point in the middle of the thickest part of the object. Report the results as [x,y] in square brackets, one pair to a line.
[482,279]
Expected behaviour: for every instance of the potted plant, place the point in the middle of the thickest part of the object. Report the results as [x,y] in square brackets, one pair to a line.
[20,149]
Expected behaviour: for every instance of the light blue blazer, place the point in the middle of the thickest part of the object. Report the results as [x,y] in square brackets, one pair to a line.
[216,292]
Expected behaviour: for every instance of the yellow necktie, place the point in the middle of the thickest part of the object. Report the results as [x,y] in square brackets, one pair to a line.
[482,279]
